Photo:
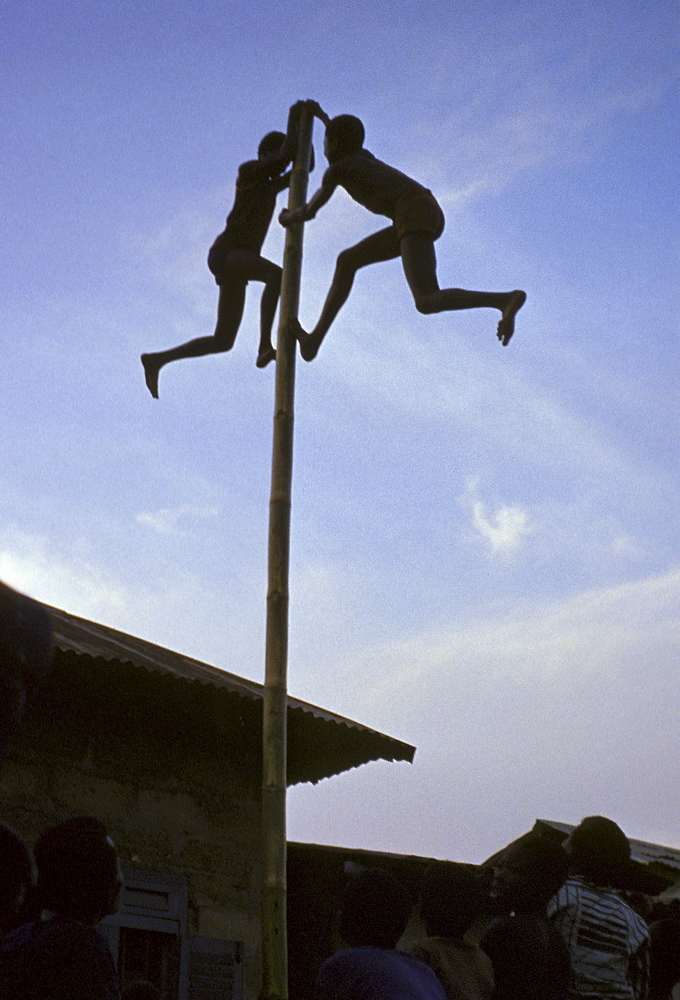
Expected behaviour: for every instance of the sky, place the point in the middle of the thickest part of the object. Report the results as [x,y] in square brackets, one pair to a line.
[484,540]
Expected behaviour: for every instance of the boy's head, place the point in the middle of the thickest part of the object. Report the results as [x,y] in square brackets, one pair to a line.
[451,898]
[345,135]
[271,143]
[375,909]
[598,850]
[529,874]
[78,870]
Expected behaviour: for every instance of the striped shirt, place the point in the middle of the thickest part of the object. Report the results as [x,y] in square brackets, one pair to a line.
[608,942]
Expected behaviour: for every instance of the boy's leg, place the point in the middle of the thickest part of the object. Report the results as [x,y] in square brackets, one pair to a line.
[248,266]
[380,246]
[420,267]
[229,314]
[271,275]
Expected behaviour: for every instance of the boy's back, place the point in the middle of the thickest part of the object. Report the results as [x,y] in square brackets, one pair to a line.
[372,183]
[257,186]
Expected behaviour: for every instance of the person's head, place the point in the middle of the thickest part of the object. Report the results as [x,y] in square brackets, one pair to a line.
[345,135]
[78,871]
[16,876]
[25,656]
[272,143]
[375,909]
[451,898]
[598,850]
[528,875]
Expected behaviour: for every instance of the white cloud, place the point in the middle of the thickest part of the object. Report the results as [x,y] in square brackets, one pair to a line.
[28,563]
[166,520]
[505,530]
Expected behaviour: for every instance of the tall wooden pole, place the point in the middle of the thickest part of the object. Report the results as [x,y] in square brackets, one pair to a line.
[274,728]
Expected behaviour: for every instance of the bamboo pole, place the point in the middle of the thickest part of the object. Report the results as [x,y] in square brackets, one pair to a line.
[274,722]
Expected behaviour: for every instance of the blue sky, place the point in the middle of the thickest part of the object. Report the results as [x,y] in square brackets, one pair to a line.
[485,557]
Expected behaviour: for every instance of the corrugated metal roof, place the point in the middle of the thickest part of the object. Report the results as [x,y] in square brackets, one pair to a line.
[85,638]
[651,869]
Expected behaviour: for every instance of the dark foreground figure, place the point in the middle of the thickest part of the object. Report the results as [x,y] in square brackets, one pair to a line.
[608,941]
[530,960]
[374,913]
[451,899]
[235,257]
[416,222]
[25,657]
[60,955]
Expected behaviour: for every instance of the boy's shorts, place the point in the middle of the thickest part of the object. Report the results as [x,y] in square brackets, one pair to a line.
[419,213]
[216,258]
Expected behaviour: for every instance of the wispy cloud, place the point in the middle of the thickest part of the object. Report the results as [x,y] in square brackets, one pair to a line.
[167,520]
[596,631]
[546,125]
[30,564]
[501,404]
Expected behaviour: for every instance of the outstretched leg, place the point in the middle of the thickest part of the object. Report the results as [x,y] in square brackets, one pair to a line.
[420,267]
[380,246]
[237,268]
[229,314]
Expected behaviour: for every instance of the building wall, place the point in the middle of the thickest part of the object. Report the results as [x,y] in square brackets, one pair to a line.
[150,757]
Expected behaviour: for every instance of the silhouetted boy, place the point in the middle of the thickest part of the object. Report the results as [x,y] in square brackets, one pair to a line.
[374,912]
[235,257]
[416,222]
[452,897]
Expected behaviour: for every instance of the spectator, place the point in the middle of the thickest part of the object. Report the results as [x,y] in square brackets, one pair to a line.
[16,877]
[374,913]
[608,942]
[61,956]
[529,959]
[452,897]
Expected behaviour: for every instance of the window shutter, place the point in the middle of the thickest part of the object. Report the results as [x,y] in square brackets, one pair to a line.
[215,970]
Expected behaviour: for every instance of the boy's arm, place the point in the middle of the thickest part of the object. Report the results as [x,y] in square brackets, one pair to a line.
[306,212]
[282,182]
[271,166]
[319,112]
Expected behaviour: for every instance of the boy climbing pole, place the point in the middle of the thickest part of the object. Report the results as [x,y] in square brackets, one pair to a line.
[416,222]
[235,257]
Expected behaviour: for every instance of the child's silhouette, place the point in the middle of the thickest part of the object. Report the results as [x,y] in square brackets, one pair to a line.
[417,221]
[235,256]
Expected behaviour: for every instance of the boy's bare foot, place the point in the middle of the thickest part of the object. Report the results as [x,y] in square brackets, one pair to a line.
[506,327]
[151,371]
[309,344]
[266,355]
